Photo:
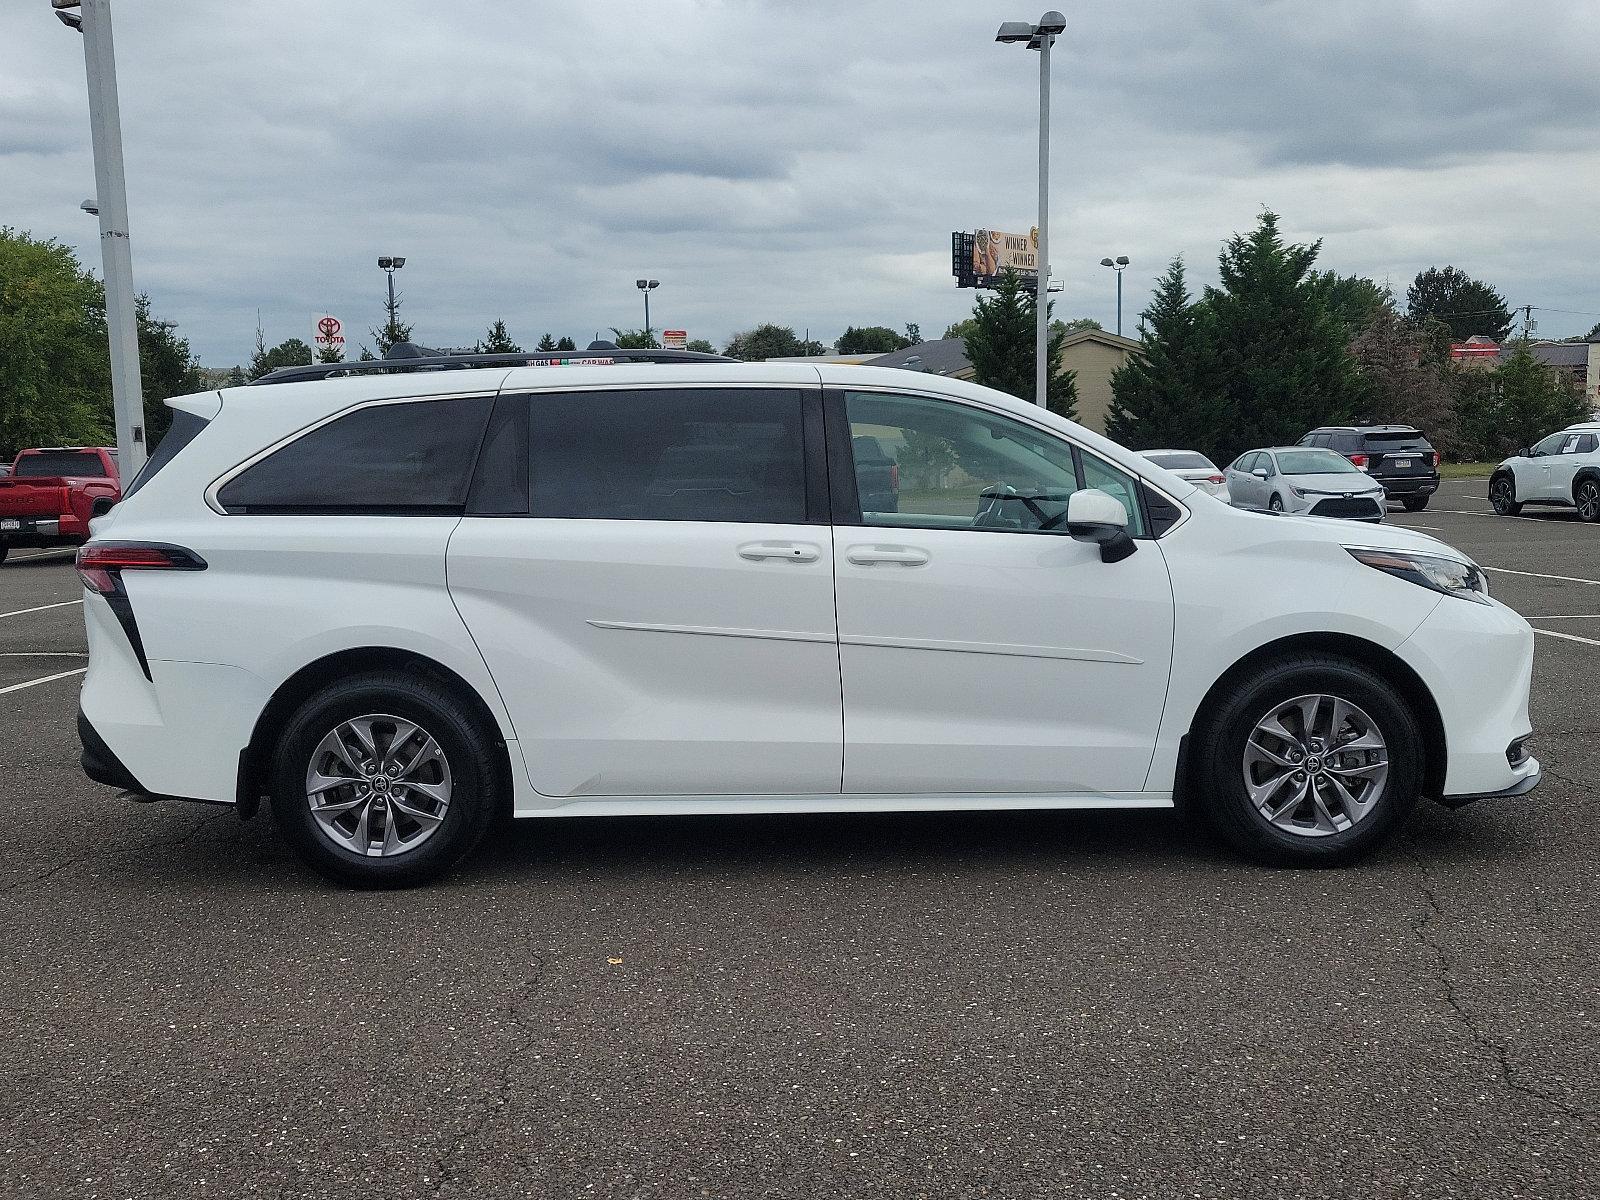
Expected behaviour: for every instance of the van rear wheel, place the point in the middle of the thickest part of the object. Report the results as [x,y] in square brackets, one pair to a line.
[1313,760]
[384,780]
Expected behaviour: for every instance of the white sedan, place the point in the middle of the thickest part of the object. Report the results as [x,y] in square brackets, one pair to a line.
[1300,480]
[1194,467]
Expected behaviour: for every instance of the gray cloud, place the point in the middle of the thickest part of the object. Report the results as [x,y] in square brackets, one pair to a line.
[799,163]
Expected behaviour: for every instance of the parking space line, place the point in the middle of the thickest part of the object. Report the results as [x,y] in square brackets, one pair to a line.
[17,687]
[81,654]
[1462,512]
[1567,617]
[18,612]
[1403,525]
[1536,575]
[1567,637]
[46,553]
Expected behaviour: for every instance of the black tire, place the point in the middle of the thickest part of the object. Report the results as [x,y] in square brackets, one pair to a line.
[1586,496]
[1275,503]
[468,748]
[4,551]
[1414,503]
[1219,767]
[1503,495]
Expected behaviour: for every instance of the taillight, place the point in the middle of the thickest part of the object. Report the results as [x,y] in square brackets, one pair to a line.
[100,564]
[1436,460]
[1360,460]
[1215,479]
[894,477]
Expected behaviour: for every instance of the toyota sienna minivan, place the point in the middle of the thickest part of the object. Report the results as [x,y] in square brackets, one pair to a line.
[395,600]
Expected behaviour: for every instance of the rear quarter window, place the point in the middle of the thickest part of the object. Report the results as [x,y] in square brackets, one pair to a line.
[411,457]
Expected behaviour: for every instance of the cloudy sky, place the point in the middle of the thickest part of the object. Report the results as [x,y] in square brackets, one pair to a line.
[798,162]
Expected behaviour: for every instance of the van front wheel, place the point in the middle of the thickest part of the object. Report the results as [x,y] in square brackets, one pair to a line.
[1313,760]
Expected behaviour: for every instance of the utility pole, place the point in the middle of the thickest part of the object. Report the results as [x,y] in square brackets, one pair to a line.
[1527,322]
[93,20]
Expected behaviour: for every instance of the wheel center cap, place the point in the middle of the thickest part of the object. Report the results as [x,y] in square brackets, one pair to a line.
[380,784]
[1314,764]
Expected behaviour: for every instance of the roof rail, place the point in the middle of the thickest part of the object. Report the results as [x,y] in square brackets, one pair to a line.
[406,357]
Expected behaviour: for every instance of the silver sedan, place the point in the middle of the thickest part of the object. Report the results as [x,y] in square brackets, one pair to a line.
[1299,480]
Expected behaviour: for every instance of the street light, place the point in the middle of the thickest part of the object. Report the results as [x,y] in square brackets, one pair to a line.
[93,21]
[647,286]
[389,266]
[1040,37]
[1119,266]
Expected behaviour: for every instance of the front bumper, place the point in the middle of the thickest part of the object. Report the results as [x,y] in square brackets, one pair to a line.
[1521,788]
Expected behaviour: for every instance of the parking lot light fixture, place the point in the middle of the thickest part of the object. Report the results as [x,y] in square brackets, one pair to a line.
[647,286]
[389,265]
[1040,37]
[1119,265]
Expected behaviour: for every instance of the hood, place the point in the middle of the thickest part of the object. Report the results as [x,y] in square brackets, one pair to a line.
[1336,483]
[1351,533]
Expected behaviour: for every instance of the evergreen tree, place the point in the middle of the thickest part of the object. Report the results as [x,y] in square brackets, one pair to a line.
[566,343]
[1172,394]
[1469,306]
[635,339]
[166,369]
[366,355]
[331,353]
[700,346]
[292,353]
[547,343]
[1001,347]
[237,377]
[1532,400]
[1356,301]
[393,330]
[498,341]
[1283,356]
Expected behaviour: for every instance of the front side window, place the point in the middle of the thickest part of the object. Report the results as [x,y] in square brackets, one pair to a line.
[410,458]
[708,454]
[1549,445]
[935,464]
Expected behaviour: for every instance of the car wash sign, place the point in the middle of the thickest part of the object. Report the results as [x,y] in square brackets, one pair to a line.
[327,333]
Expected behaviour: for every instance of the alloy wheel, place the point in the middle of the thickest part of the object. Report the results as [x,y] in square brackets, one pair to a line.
[1500,495]
[1589,500]
[378,785]
[1315,765]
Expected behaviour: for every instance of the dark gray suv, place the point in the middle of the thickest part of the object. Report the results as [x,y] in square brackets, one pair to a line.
[1398,456]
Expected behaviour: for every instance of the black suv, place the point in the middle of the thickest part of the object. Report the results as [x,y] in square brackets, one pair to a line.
[1397,456]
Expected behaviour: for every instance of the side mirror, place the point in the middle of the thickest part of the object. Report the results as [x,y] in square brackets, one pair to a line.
[1096,516]
[1524,452]
[1259,472]
[101,505]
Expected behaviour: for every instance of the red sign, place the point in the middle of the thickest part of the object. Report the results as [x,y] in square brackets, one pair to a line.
[329,331]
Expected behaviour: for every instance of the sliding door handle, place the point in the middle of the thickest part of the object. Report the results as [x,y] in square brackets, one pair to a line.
[905,556]
[798,552]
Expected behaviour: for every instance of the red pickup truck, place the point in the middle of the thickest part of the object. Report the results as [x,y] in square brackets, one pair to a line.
[51,493]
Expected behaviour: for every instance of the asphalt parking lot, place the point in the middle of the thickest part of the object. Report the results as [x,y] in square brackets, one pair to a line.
[1016,1005]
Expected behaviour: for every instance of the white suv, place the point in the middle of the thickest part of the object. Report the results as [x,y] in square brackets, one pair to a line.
[1563,469]
[398,604]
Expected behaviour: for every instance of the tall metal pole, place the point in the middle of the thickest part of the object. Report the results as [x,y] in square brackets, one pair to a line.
[1041,383]
[111,193]
[390,274]
[647,313]
[1119,303]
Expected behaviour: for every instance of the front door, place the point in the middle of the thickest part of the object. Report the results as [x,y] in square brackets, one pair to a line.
[979,651]
[650,580]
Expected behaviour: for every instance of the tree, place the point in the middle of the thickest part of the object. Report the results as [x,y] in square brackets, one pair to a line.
[166,369]
[1594,334]
[1400,383]
[237,377]
[1353,299]
[913,334]
[366,355]
[331,353]
[1283,357]
[1001,347]
[700,346]
[547,343]
[1528,401]
[1076,324]
[55,365]
[1172,394]
[292,353]
[870,339]
[960,329]
[566,343]
[498,341]
[393,330]
[635,339]
[1469,307]
[769,341]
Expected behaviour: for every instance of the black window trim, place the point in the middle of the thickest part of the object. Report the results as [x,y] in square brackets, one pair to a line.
[813,442]
[842,474]
[213,491]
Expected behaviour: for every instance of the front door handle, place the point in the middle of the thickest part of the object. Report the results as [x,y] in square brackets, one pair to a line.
[905,556]
[798,552]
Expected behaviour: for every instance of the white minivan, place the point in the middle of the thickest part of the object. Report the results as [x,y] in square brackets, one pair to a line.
[403,600]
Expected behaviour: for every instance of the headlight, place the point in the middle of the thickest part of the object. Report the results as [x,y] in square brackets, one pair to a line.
[1301,492]
[1448,575]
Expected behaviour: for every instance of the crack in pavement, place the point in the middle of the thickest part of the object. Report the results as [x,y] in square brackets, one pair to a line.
[132,852]
[446,1165]
[1496,1051]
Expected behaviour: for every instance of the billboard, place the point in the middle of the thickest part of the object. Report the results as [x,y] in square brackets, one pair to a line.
[674,339]
[980,257]
[327,332]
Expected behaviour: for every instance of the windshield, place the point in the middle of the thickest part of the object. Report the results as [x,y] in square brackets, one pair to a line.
[1182,460]
[61,462]
[1314,462]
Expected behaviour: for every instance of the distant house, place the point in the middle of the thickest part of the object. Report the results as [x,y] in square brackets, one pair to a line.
[1579,360]
[1093,353]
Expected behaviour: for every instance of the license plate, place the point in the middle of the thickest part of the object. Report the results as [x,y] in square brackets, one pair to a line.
[10,523]
[1405,462]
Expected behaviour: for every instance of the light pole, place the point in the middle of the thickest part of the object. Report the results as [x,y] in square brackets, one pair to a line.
[111,195]
[389,266]
[647,286]
[1119,266]
[1040,37]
